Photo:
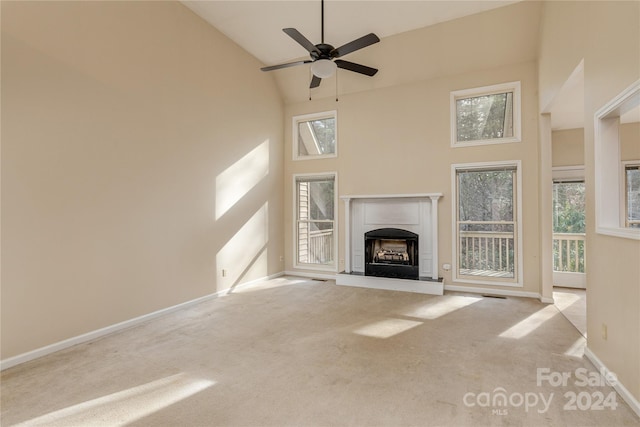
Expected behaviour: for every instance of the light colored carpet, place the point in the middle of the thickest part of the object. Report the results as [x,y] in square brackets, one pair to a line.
[293,352]
[572,303]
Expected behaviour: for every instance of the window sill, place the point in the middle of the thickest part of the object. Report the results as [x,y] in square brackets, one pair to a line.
[625,233]
[489,282]
[460,144]
[319,157]
[315,267]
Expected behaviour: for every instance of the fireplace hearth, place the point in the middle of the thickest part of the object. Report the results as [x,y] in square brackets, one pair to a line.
[391,252]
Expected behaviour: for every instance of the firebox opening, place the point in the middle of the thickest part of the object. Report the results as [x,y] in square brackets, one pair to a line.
[391,252]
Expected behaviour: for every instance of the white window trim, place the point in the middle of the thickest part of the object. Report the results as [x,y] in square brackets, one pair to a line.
[609,200]
[519,281]
[487,90]
[333,267]
[568,173]
[623,189]
[308,117]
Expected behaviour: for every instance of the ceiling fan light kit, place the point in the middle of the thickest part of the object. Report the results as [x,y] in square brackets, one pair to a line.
[323,68]
[323,56]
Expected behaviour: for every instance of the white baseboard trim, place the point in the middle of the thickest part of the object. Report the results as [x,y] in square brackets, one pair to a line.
[547,300]
[90,336]
[311,275]
[626,395]
[501,292]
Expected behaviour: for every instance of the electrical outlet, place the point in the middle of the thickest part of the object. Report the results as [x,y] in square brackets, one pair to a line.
[604,331]
[224,272]
[281,258]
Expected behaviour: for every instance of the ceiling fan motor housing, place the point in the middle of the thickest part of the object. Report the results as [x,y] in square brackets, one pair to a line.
[325,52]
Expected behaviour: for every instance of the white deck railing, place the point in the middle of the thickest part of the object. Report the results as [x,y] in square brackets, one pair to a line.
[569,252]
[487,253]
[320,246]
[493,253]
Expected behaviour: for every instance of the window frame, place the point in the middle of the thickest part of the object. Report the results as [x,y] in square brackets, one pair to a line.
[624,209]
[485,91]
[332,114]
[333,267]
[610,211]
[517,280]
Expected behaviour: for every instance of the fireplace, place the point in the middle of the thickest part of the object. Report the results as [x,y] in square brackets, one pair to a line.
[391,252]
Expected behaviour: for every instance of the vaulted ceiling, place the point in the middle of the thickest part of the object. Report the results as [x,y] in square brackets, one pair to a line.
[420,39]
[257,25]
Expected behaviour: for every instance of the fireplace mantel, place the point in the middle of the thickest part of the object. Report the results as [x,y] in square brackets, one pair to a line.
[414,212]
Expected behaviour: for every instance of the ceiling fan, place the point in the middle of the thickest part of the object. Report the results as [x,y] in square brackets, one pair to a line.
[323,56]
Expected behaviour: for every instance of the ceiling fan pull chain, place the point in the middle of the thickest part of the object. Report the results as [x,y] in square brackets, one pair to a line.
[337,85]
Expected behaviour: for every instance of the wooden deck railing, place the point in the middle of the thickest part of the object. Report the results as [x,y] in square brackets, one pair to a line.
[314,247]
[569,252]
[321,246]
[487,253]
[493,253]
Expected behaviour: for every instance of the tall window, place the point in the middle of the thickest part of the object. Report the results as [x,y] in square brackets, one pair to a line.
[632,194]
[315,136]
[487,223]
[315,221]
[486,115]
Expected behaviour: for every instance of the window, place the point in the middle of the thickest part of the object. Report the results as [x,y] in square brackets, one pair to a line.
[569,226]
[315,227]
[616,182]
[486,115]
[487,229]
[632,193]
[315,136]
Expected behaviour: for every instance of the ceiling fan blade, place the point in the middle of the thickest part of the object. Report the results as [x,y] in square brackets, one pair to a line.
[357,68]
[302,40]
[352,46]
[279,66]
[315,82]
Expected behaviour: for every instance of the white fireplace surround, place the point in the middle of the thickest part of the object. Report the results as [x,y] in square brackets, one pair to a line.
[417,213]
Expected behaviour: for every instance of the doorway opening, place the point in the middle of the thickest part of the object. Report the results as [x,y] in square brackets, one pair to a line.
[569,250]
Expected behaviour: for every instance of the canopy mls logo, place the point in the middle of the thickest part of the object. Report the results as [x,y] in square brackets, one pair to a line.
[499,400]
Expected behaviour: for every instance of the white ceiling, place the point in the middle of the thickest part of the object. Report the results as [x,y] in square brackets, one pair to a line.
[257,25]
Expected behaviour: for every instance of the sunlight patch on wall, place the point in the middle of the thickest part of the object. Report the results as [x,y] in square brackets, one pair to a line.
[246,251]
[238,179]
[441,306]
[531,323]
[387,328]
[126,406]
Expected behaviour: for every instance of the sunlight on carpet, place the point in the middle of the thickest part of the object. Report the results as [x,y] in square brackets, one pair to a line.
[386,328]
[125,406]
[531,323]
[442,306]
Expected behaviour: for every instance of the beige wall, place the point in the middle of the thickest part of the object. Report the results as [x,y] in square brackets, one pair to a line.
[568,147]
[607,36]
[403,132]
[141,154]
[630,141]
